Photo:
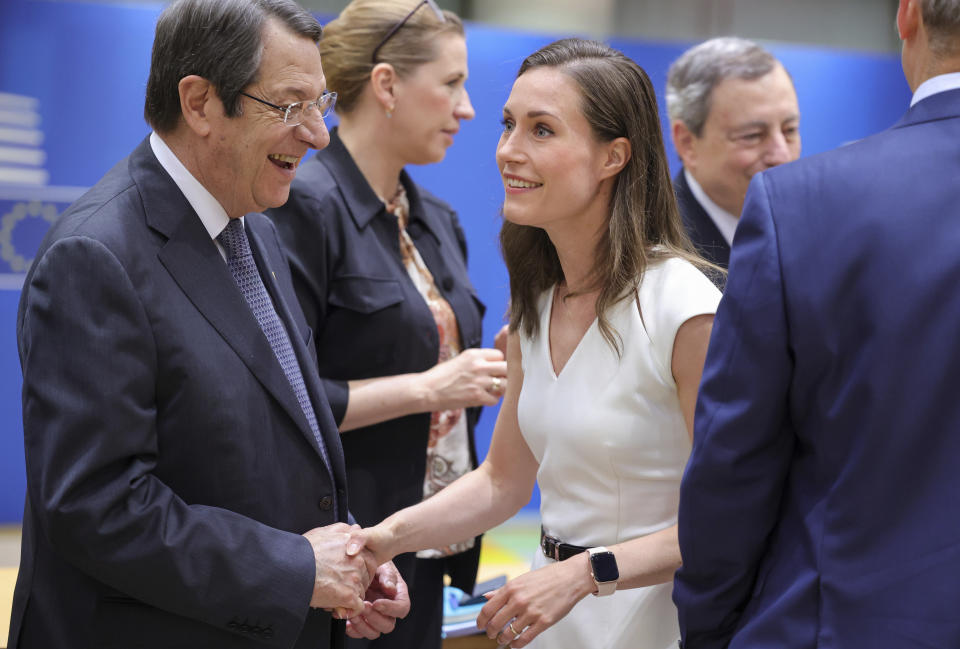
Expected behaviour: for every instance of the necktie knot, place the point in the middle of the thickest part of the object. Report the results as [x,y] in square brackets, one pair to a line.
[233,238]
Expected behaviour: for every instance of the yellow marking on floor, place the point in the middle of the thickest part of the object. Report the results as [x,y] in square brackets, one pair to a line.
[8,577]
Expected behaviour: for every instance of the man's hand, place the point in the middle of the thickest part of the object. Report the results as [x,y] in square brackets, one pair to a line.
[340,580]
[386,601]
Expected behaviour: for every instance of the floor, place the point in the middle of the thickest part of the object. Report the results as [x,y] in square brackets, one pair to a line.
[9,560]
[507,550]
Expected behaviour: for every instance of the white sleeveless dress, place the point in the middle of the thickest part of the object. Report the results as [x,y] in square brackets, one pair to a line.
[612,444]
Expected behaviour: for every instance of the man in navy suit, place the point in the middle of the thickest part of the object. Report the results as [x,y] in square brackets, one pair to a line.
[733,112]
[185,481]
[820,504]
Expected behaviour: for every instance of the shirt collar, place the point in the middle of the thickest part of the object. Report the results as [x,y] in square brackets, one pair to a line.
[210,211]
[934,85]
[362,201]
[724,220]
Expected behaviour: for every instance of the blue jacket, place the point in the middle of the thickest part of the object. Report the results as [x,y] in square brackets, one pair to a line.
[820,506]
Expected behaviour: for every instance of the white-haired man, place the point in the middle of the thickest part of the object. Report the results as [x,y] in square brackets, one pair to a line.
[733,112]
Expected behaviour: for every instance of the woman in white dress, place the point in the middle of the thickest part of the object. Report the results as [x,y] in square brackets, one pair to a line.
[610,320]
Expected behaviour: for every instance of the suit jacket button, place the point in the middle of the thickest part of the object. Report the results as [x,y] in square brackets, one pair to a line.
[447,283]
[326,503]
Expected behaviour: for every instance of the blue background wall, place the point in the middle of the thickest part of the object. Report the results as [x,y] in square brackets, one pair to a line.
[87,65]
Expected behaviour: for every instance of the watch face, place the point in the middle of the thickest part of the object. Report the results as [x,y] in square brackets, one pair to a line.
[604,566]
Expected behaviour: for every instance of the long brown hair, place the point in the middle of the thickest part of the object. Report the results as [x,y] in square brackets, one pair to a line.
[644,225]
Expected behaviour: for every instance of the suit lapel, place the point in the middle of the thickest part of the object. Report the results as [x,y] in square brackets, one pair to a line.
[192,259]
[703,231]
[268,265]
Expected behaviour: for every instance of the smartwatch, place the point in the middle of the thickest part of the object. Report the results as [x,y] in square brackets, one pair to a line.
[603,567]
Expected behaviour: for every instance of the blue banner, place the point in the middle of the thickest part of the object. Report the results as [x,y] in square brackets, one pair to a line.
[72,78]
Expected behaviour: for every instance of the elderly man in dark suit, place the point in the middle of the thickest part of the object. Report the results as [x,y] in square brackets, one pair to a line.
[733,112]
[819,508]
[185,481]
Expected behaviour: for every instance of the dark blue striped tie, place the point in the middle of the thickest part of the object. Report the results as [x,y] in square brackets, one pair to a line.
[244,269]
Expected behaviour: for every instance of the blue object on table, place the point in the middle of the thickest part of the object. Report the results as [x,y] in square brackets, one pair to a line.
[460,609]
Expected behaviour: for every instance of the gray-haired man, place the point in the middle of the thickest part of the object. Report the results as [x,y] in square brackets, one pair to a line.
[733,112]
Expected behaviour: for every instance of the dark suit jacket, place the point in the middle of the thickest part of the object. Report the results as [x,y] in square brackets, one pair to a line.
[819,508]
[369,319]
[170,469]
[700,228]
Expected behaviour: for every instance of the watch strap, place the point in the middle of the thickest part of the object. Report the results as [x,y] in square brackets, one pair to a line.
[603,587]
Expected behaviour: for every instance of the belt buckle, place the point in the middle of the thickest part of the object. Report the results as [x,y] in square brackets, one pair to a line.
[551,547]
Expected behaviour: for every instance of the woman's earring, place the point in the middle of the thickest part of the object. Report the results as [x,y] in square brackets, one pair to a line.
[390,112]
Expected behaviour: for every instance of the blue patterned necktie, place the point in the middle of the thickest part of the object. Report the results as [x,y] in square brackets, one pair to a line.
[244,269]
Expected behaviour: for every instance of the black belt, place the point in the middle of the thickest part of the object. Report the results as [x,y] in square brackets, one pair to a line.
[556,550]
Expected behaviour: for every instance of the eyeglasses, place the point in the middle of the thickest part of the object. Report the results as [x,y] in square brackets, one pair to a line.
[296,113]
[433,7]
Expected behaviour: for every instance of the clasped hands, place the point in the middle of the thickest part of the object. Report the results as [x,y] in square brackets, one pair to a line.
[514,614]
[350,582]
[358,582]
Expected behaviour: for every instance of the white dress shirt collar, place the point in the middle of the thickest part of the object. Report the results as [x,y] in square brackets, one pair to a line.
[210,211]
[934,85]
[724,220]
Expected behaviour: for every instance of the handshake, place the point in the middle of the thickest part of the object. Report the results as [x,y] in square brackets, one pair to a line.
[354,582]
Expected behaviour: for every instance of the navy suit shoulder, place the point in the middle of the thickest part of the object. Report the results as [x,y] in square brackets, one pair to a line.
[868,204]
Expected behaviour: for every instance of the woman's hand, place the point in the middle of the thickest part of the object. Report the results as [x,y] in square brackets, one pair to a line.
[376,540]
[474,377]
[521,610]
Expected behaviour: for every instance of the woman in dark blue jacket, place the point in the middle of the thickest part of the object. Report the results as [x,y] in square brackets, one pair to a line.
[379,265]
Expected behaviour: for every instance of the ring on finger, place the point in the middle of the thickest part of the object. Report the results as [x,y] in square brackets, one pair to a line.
[496,385]
[516,634]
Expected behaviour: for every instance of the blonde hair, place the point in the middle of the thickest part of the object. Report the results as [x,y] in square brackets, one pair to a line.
[348,41]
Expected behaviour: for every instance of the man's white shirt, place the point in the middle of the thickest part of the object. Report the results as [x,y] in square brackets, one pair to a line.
[934,85]
[208,208]
[724,220]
